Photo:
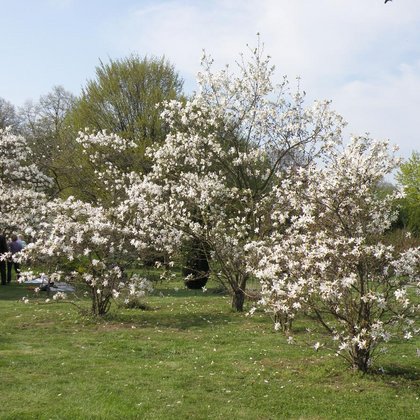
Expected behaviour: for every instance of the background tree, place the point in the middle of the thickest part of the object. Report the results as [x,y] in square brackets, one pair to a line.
[409,178]
[8,115]
[122,98]
[43,125]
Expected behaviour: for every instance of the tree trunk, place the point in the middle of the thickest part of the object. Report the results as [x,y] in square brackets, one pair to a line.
[285,322]
[361,359]
[238,300]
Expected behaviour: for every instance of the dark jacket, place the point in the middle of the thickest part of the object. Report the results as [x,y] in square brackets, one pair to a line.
[15,246]
[3,245]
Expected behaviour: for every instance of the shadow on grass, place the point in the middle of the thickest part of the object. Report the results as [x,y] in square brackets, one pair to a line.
[184,292]
[14,291]
[154,317]
[389,373]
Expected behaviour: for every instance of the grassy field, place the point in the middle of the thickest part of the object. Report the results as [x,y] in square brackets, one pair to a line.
[187,357]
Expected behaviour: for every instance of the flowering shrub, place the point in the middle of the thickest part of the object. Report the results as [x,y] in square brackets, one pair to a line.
[21,185]
[77,242]
[72,240]
[331,262]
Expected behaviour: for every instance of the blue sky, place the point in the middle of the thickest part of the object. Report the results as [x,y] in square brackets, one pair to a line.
[362,54]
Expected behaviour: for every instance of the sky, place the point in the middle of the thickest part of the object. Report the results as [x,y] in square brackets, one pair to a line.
[363,55]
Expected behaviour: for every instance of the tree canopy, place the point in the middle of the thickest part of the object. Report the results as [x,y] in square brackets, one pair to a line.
[409,177]
[122,99]
[123,96]
[8,115]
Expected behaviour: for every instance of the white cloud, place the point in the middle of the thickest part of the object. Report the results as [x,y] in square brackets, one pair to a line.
[311,38]
[180,31]
[387,106]
[362,54]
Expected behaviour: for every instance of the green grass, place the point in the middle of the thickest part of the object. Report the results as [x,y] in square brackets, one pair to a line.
[188,357]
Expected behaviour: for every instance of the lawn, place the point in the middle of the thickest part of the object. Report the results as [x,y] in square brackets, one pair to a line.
[188,356]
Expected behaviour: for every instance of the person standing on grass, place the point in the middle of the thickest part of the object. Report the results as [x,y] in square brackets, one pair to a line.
[4,249]
[14,247]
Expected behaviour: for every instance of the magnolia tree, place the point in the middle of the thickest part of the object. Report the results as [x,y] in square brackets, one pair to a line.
[79,242]
[16,168]
[212,179]
[22,185]
[331,261]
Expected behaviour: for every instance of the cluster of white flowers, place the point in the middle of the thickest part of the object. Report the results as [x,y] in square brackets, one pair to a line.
[16,167]
[21,185]
[101,140]
[112,157]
